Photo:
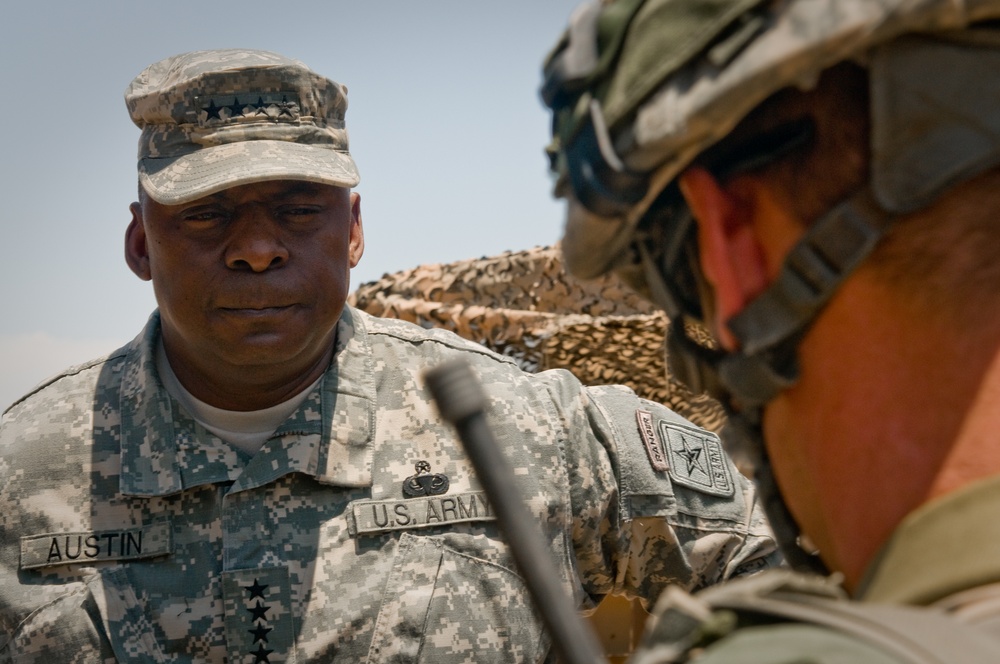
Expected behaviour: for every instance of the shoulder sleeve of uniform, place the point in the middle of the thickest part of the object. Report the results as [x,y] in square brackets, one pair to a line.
[659,494]
[411,333]
[67,374]
[667,464]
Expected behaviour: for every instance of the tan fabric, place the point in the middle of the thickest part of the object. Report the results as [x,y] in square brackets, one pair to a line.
[946,548]
[524,305]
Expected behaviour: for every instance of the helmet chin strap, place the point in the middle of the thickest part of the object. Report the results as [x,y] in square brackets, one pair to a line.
[770,327]
[769,330]
[832,248]
[747,435]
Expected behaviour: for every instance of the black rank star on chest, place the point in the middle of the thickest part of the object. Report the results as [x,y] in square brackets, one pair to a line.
[259,620]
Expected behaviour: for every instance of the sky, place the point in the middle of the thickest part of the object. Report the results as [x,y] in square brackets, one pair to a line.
[444,118]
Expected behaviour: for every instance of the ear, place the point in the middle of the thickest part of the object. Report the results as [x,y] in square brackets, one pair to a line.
[136,252]
[357,241]
[731,254]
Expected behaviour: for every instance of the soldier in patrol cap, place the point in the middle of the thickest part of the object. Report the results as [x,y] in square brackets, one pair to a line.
[261,476]
[816,183]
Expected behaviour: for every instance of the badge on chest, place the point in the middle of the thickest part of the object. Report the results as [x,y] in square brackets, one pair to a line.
[424,503]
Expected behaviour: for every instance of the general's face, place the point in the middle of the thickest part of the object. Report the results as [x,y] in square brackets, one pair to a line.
[255,276]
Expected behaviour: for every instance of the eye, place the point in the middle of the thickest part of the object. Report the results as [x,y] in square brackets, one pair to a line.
[203,216]
[299,212]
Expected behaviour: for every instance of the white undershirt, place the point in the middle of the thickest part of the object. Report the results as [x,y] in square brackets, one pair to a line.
[245,430]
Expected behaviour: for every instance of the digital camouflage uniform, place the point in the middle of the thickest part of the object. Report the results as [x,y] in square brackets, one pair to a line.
[358,532]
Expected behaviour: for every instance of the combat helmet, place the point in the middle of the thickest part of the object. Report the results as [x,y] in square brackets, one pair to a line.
[639,89]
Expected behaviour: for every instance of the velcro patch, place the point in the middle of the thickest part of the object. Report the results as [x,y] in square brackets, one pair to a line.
[697,459]
[654,449]
[260,624]
[379,516]
[90,546]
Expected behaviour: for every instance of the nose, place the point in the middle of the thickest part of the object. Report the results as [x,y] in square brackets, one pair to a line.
[255,241]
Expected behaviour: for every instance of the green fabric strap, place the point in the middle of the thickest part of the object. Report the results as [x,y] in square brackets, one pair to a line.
[793,644]
[783,617]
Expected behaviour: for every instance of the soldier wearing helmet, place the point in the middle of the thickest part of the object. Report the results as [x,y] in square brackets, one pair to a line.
[816,183]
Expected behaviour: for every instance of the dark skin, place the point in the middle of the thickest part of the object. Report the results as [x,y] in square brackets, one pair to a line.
[250,284]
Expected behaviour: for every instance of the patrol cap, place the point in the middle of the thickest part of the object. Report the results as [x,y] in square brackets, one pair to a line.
[212,120]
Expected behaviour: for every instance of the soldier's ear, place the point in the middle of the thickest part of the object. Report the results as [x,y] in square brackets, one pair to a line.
[731,255]
[357,241]
[136,252]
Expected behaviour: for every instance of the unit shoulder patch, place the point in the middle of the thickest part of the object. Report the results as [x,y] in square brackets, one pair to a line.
[696,459]
[654,448]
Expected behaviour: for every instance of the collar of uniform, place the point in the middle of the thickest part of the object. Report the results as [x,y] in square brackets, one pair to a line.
[329,436]
[946,546]
[348,407]
[149,447]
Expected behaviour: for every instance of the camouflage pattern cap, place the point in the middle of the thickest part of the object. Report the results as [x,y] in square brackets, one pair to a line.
[212,120]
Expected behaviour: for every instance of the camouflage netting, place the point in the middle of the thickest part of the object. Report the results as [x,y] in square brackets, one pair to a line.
[524,305]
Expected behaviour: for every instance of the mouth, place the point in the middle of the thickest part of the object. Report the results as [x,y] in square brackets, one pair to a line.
[258,311]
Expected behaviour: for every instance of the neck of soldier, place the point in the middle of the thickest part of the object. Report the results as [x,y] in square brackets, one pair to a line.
[246,386]
[894,408]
